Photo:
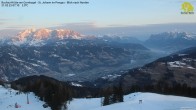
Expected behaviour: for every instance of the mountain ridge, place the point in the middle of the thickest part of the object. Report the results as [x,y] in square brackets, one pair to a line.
[42,36]
[171,41]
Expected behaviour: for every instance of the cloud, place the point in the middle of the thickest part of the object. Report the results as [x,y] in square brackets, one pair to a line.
[78,26]
[142,31]
[82,27]
[14,27]
[1,23]
[18,27]
[81,23]
[4,19]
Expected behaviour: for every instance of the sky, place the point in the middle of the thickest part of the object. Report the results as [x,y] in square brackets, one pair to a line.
[96,14]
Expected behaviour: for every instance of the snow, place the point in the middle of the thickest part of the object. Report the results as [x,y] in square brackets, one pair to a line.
[182,54]
[84,104]
[14,55]
[36,42]
[35,51]
[174,64]
[150,101]
[54,55]
[8,100]
[76,84]
[187,59]
[70,75]
[111,76]
[29,68]
[17,59]
[190,67]
[39,37]
[34,64]
[180,64]
[42,63]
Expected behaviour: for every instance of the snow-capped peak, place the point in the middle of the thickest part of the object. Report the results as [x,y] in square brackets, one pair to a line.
[22,35]
[42,33]
[174,35]
[37,36]
[47,33]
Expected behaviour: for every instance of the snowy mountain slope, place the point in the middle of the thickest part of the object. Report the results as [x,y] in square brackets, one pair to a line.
[8,100]
[70,59]
[150,101]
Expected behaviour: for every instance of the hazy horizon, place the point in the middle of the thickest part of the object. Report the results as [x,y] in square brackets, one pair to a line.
[113,17]
[140,32]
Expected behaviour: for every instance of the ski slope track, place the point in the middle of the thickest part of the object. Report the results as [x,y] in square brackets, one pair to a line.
[150,101]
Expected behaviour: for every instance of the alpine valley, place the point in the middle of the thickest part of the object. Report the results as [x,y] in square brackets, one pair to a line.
[61,66]
[67,55]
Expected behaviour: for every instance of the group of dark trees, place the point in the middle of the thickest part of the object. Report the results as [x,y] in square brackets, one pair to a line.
[112,95]
[164,88]
[115,94]
[1,82]
[53,92]
[56,93]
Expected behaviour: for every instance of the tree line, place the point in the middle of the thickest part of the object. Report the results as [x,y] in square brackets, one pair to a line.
[55,93]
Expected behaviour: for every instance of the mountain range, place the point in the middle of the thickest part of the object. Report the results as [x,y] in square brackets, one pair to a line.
[67,55]
[70,56]
[171,41]
[38,37]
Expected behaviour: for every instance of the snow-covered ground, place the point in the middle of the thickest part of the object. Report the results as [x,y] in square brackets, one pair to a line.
[8,100]
[181,64]
[150,101]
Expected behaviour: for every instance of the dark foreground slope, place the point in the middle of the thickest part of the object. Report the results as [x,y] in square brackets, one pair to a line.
[174,74]
[55,93]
